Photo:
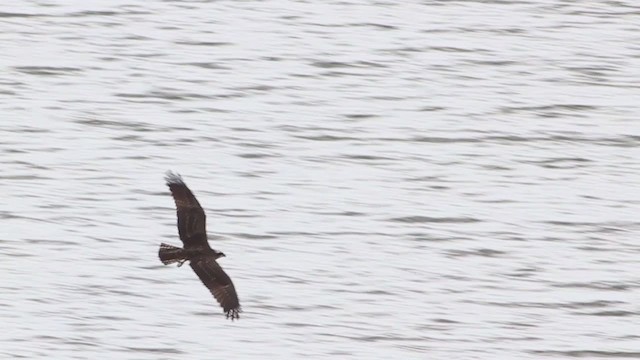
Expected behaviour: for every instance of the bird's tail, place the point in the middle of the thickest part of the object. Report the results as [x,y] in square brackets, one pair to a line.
[170,254]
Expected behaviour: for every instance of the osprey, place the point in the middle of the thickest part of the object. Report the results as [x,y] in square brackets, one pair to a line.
[202,258]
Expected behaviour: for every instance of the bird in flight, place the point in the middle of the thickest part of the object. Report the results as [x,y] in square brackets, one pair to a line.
[202,258]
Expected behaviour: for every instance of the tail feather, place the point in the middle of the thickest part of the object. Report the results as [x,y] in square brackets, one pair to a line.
[170,254]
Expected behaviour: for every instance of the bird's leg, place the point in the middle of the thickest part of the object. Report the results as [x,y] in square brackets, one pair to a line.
[181,262]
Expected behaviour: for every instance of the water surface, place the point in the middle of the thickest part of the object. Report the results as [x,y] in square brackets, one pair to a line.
[407,180]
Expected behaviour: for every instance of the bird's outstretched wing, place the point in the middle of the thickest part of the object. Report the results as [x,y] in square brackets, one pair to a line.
[219,283]
[192,221]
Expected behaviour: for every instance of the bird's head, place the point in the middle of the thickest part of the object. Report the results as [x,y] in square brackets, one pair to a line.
[221,254]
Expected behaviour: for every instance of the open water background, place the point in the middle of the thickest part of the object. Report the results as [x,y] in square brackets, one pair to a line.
[389,179]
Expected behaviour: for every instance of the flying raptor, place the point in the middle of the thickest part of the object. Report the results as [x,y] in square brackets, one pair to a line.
[202,258]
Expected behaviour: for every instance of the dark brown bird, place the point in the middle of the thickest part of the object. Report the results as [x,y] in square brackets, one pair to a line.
[202,258]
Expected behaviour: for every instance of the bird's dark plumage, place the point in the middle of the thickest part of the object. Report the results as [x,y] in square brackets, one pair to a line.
[192,221]
[193,233]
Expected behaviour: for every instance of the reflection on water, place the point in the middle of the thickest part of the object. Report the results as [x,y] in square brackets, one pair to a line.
[391,180]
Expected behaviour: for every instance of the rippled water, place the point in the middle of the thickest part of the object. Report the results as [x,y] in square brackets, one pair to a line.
[406,180]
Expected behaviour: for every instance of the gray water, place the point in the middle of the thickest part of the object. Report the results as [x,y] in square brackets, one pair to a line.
[389,180]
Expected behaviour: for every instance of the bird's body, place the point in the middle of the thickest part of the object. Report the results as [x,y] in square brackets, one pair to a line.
[201,257]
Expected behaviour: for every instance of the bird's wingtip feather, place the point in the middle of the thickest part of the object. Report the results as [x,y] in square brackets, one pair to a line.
[173,178]
[234,314]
